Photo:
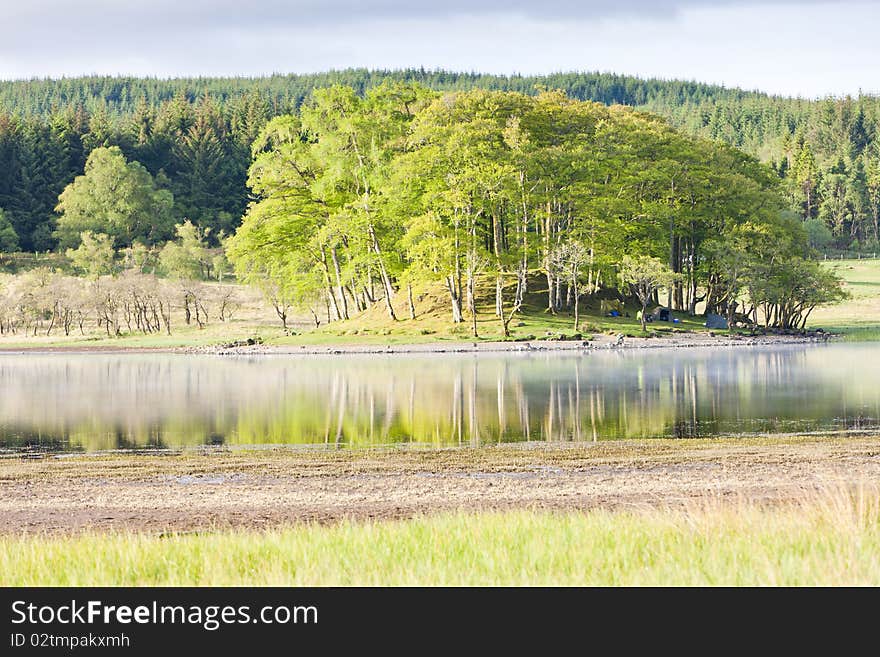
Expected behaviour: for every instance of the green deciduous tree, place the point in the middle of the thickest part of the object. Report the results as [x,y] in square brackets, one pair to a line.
[645,275]
[187,257]
[486,190]
[114,197]
[95,255]
[317,178]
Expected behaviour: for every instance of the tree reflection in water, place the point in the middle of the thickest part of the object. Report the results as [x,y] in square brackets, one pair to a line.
[96,402]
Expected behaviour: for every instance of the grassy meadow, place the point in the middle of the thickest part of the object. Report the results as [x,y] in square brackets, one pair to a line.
[831,538]
[858,318]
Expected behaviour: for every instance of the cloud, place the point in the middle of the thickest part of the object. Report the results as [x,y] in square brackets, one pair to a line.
[71,29]
[789,46]
[91,16]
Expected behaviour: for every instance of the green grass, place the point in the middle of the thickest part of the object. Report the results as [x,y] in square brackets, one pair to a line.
[832,539]
[858,318]
[433,323]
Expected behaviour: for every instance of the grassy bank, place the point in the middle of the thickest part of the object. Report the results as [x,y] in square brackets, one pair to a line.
[858,318]
[832,538]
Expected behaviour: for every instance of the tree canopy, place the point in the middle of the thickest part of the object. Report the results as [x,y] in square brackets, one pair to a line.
[194,137]
[357,197]
[114,197]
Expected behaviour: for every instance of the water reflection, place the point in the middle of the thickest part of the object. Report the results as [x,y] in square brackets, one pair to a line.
[95,402]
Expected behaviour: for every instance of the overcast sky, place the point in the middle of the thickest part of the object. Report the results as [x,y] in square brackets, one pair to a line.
[807,48]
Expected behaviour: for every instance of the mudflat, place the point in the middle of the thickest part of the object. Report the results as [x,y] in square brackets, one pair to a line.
[204,490]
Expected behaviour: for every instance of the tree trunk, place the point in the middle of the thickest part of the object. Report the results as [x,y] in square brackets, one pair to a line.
[671,255]
[472,302]
[551,293]
[340,288]
[456,283]
[383,273]
[359,306]
[497,247]
[369,294]
[455,300]
[331,297]
[51,324]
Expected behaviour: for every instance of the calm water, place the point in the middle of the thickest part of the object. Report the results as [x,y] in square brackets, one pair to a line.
[96,402]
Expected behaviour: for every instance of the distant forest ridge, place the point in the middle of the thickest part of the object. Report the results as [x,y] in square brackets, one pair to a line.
[194,134]
[121,94]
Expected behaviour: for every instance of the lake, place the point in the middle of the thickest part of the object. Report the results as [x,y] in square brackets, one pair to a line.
[92,402]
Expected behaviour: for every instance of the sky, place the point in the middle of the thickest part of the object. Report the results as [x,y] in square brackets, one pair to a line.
[807,48]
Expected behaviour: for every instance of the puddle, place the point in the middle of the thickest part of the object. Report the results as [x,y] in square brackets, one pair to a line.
[188,480]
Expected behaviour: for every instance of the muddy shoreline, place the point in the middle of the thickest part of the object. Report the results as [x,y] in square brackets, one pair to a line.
[203,491]
[599,342]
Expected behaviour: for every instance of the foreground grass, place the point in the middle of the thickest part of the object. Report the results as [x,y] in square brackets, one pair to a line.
[433,323]
[831,538]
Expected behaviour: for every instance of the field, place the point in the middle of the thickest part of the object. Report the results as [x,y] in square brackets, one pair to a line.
[250,316]
[433,323]
[772,510]
[859,317]
[831,538]
[255,317]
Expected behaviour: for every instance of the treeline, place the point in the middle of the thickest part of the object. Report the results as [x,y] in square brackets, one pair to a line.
[194,135]
[368,199]
[826,152]
[139,288]
[122,96]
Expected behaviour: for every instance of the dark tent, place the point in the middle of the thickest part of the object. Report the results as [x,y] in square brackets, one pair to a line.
[715,321]
[662,314]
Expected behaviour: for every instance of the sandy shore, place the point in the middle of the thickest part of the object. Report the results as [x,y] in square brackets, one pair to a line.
[267,488]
